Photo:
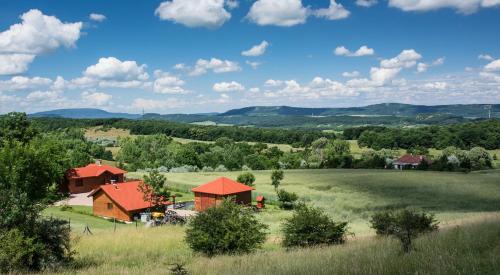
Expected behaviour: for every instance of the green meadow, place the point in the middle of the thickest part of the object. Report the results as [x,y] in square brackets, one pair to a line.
[467,206]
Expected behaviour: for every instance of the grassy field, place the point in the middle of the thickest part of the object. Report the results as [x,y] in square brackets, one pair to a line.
[467,206]
[353,195]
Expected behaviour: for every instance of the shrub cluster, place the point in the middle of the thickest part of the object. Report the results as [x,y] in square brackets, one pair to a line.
[226,229]
[311,226]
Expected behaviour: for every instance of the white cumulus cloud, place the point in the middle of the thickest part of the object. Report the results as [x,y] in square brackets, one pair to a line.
[95,98]
[284,13]
[350,74]
[334,12]
[24,83]
[97,17]
[366,3]
[166,83]
[493,66]
[486,57]
[15,63]
[462,6]
[406,59]
[195,13]
[256,50]
[362,51]
[36,34]
[215,65]
[224,87]
[111,68]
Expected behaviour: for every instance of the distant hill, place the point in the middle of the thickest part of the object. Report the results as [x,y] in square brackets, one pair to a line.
[388,114]
[384,109]
[84,113]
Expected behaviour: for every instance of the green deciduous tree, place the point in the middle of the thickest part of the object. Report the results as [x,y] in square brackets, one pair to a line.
[311,226]
[405,225]
[154,189]
[226,229]
[276,177]
[246,178]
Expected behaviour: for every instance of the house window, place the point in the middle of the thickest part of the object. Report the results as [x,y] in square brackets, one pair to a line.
[110,206]
[79,182]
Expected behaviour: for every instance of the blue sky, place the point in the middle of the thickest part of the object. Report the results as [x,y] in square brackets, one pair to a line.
[212,55]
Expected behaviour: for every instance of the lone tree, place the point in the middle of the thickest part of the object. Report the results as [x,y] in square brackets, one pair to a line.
[276,177]
[246,178]
[226,229]
[311,226]
[405,225]
[155,189]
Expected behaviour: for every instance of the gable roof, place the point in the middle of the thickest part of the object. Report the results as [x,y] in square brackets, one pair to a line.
[410,159]
[222,186]
[126,194]
[92,170]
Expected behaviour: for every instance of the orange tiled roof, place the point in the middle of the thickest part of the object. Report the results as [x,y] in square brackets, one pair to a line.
[92,170]
[126,194]
[222,186]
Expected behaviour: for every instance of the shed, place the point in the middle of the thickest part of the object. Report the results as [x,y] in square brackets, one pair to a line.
[409,161]
[261,202]
[120,201]
[212,193]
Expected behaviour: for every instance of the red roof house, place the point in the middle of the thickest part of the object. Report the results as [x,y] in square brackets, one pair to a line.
[409,161]
[90,177]
[120,201]
[213,193]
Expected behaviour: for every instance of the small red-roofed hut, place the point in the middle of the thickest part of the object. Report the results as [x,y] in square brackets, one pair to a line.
[213,193]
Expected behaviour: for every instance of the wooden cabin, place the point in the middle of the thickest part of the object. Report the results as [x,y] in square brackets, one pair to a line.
[85,179]
[120,201]
[213,193]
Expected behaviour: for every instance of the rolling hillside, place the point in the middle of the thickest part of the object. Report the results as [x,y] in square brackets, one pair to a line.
[389,114]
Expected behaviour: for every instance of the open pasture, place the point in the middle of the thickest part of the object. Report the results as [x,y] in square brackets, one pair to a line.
[353,195]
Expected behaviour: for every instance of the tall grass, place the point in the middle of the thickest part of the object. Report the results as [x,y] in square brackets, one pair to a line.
[466,249]
[353,195]
[471,249]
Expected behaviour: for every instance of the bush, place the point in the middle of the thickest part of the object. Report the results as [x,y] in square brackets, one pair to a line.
[287,199]
[47,246]
[405,225]
[207,169]
[220,168]
[246,178]
[184,169]
[226,229]
[17,253]
[312,226]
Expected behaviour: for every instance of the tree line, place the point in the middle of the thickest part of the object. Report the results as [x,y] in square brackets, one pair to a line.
[297,138]
[484,134]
